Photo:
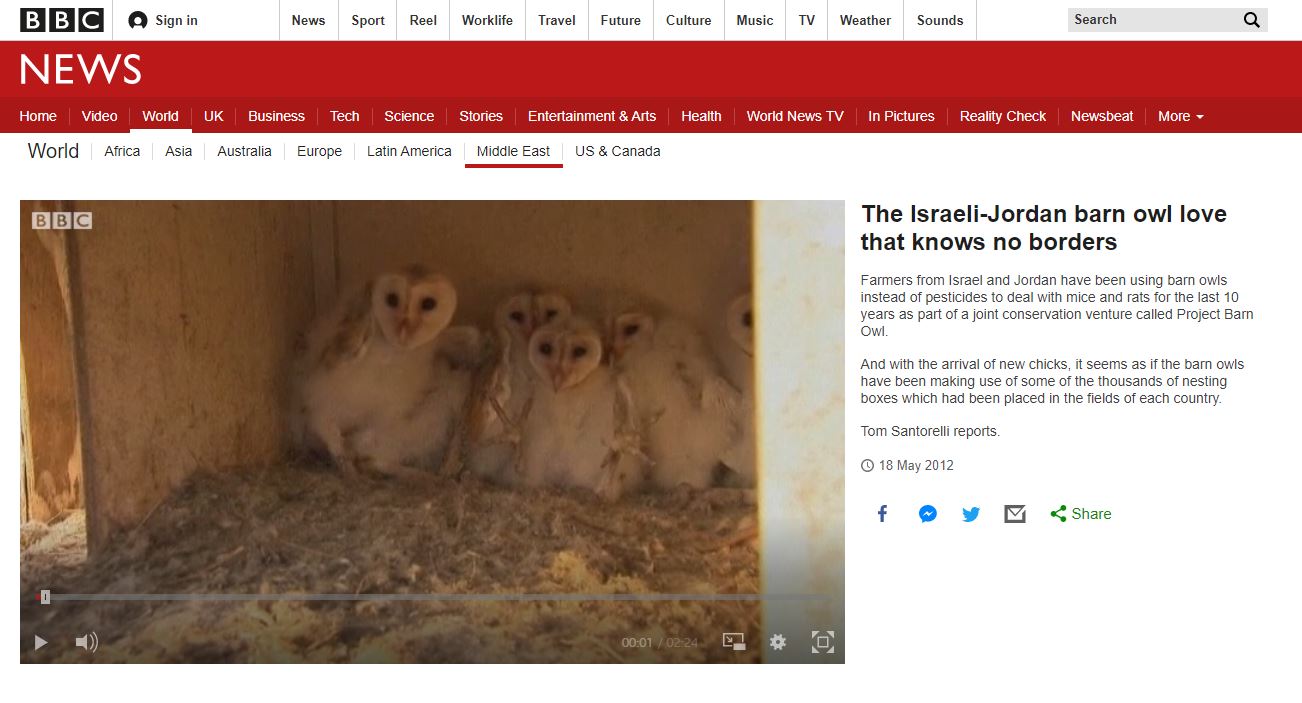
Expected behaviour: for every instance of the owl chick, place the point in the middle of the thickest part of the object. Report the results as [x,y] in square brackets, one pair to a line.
[740,321]
[582,431]
[740,456]
[370,362]
[423,439]
[506,398]
[685,407]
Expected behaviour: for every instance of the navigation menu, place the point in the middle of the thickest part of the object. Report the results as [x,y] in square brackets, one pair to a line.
[648,115]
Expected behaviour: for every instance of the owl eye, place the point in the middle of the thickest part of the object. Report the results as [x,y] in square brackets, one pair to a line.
[746,319]
[517,316]
[630,330]
[551,314]
[391,300]
[428,304]
[579,352]
[545,349]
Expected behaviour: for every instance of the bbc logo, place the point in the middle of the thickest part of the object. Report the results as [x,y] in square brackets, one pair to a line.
[61,19]
[62,220]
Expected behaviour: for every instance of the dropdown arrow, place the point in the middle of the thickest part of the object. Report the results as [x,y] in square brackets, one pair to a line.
[1198,116]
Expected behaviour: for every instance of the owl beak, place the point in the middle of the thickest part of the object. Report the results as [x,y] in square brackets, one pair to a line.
[406,327]
[558,380]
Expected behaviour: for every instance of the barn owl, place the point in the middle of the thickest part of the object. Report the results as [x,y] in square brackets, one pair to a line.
[740,457]
[506,398]
[423,438]
[741,323]
[685,407]
[370,363]
[582,431]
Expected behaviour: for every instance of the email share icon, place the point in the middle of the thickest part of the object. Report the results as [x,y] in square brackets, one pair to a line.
[1014,513]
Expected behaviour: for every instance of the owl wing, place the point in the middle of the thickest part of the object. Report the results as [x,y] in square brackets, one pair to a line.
[353,332]
[491,394]
[463,346]
[721,400]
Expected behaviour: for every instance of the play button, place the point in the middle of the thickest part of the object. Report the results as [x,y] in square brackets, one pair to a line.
[40,642]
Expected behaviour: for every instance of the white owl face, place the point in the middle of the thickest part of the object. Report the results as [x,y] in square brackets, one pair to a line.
[565,354]
[514,317]
[550,308]
[412,307]
[629,333]
[741,323]
[520,315]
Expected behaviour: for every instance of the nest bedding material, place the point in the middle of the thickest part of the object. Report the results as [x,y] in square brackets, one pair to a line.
[293,529]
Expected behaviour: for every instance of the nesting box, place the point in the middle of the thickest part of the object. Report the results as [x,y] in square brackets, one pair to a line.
[158,341]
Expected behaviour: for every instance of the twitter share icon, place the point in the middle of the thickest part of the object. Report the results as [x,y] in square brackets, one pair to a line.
[970,514]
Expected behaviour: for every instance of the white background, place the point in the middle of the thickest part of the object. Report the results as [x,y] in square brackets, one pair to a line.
[1190,593]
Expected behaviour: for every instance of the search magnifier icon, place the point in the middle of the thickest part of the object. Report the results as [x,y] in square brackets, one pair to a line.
[1250,19]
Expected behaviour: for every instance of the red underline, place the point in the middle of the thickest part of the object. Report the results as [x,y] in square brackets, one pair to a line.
[515,165]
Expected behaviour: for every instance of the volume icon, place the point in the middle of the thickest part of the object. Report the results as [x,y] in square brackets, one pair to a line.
[89,642]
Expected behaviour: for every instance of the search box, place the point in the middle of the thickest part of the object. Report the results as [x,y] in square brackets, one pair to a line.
[1167,19]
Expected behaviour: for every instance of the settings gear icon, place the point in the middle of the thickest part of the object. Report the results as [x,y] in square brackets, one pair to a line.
[778,642]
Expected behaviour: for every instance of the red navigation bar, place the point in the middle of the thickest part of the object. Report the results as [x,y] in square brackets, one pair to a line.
[653,87]
[1084,69]
[640,115]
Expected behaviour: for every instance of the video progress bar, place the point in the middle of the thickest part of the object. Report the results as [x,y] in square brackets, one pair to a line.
[436,597]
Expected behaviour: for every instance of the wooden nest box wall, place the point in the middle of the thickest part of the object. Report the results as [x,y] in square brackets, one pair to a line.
[158,343]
